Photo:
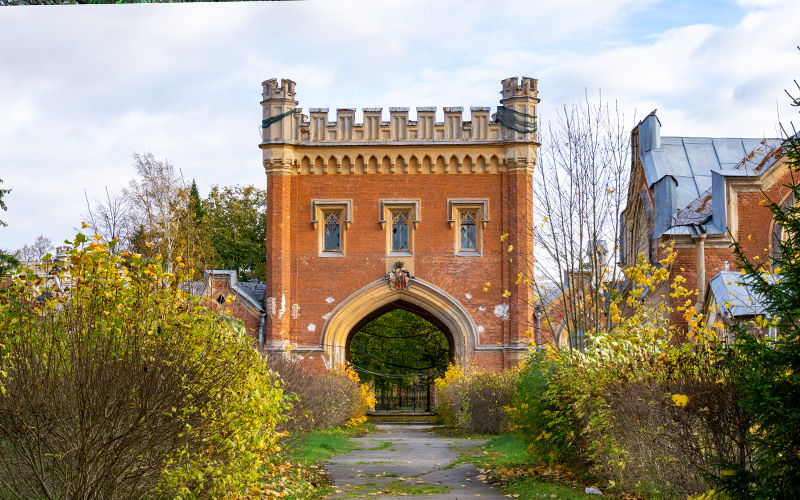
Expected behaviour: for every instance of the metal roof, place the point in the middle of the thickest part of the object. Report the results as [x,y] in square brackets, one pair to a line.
[690,161]
[547,291]
[687,176]
[256,290]
[193,287]
[734,297]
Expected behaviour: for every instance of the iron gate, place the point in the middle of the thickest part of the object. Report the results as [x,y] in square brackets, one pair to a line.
[414,396]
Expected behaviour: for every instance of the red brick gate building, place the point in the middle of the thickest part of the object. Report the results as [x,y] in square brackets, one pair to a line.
[364,218]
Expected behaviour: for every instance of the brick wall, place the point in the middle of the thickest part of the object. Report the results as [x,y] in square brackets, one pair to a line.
[754,232]
[298,275]
[236,304]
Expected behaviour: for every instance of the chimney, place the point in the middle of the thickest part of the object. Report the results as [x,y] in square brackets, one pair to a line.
[649,133]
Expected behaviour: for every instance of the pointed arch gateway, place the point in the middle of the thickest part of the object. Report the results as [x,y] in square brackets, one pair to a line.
[378,298]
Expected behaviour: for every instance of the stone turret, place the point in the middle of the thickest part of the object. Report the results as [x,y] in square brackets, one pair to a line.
[277,101]
[521,97]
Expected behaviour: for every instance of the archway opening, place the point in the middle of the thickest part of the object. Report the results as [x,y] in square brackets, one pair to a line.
[400,349]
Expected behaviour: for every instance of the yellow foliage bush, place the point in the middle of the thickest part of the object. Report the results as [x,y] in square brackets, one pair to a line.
[637,403]
[133,387]
[366,399]
[475,400]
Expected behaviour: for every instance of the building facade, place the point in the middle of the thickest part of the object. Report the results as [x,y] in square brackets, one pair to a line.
[700,194]
[364,218]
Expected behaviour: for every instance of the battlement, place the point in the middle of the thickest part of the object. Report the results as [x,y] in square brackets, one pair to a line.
[285,123]
[273,91]
[520,87]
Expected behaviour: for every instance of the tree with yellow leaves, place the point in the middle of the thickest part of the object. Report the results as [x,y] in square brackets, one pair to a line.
[579,191]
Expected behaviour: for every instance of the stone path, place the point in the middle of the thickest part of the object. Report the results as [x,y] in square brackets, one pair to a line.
[408,462]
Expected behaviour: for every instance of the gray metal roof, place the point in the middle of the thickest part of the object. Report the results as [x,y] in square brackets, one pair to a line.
[734,297]
[256,290]
[547,291]
[690,161]
[687,176]
[697,212]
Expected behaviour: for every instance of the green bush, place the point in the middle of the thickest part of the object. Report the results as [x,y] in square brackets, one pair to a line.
[545,426]
[117,384]
[637,406]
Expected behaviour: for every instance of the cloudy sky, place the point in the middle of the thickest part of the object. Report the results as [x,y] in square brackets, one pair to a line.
[84,87]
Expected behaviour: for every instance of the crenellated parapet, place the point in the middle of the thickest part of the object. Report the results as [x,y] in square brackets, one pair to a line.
[317,143]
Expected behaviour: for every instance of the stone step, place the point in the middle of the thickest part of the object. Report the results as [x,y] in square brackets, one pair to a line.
[401,417]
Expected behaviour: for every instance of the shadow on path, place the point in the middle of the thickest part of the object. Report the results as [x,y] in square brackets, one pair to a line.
[408,461]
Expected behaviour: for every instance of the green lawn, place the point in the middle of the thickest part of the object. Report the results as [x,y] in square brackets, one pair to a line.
[320,445]
[504,459]
[297,475]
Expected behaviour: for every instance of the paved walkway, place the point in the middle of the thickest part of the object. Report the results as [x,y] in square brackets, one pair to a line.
[408,461]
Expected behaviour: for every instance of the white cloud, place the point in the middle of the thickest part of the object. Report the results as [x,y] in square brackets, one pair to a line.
[85,87]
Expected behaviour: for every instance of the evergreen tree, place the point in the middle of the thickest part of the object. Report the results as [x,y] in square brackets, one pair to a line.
[768,371]
[196,204]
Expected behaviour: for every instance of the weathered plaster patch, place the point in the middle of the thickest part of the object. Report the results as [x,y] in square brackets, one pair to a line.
[482,309]
[468,296]
[326,316]
[312,327]
[501,311]
[283,306]
[329,300]
[480,329]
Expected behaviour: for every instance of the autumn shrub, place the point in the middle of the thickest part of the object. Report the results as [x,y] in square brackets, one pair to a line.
[545,425]
[116,384]
[450,390]
[487,401]
[321,400]
[637,406]
[677,440]
[474,400]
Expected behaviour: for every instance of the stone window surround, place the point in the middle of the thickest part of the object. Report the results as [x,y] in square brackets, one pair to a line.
[386,206]
[318,207]
[454,207]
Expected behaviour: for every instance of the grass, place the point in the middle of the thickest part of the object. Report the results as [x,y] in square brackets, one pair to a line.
[321,445]
[384,445]
[296,475]
[394,488]
[505,461]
